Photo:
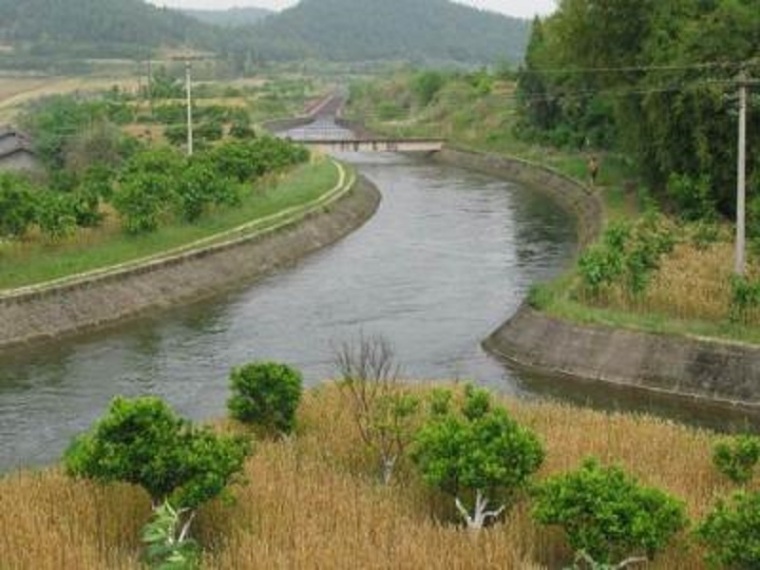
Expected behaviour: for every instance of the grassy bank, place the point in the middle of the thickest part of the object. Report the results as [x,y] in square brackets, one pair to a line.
[689,293]
[36,261]
[314,502]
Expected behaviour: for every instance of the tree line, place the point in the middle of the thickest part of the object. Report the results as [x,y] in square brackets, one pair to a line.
[656,80]
[90,163]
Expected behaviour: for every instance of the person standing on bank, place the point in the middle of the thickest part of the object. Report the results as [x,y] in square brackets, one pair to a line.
[593,169]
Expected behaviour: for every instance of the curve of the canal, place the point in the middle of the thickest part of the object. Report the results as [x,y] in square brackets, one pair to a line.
[447,258]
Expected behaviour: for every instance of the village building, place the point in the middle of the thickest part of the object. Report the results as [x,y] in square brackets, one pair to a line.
[16,153]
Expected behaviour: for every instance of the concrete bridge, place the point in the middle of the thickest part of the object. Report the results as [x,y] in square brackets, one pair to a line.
[322,128]
[348,144]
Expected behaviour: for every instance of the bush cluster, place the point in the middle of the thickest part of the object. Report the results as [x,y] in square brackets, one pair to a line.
[151,186]
[627,254]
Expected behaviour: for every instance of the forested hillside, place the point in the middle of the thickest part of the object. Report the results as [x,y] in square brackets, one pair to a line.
[422,30]
[656,80]
[233,18]
[97,27]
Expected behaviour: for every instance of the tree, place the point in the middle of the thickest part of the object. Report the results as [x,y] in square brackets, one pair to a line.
[18,205]
[384,411]
[148,183]
[143,442]
[266,394]
[56,214]
[200,186]
[737,457]
[731,532]
[479,455]
[607,514]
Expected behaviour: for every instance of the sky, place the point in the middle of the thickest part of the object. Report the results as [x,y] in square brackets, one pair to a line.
[519,8]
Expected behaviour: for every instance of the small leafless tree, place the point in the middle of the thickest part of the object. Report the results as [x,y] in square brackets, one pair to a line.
[382,407]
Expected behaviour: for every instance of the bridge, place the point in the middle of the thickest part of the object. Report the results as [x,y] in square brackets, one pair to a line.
[354,144]
[323,129]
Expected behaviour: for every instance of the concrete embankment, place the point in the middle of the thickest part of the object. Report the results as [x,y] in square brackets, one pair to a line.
[41,313]
[722,372]
[575,198]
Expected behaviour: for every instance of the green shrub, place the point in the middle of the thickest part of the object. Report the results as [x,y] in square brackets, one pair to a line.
[167,544]
[745,296]
[143,442]
[266,394]
[731,533]
[18,206]
[147,188]
[737,457]
[480,455]
[607,514]
[56,214]
[692,198]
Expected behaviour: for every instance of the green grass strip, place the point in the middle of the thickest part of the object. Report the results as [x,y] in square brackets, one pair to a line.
[35,262]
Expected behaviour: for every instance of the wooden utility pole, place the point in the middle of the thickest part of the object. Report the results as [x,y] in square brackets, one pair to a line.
[189,89]
[150,83]
[741,187]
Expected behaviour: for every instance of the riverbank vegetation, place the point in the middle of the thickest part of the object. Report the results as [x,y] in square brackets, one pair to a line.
[316,499]
[659,113]
[102,197]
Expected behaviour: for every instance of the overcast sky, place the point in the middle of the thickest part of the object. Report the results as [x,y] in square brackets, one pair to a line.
[521,8]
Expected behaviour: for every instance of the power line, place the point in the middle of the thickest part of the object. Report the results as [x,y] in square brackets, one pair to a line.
[642,68]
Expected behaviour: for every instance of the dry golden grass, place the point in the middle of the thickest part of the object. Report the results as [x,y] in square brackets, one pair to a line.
[315,502]
[692,283]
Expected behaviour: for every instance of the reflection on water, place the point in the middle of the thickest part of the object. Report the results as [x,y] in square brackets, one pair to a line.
[613,398]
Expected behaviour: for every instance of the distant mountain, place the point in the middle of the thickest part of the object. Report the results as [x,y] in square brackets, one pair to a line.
[359,30]
[125,25]
[420,31]
[232,18]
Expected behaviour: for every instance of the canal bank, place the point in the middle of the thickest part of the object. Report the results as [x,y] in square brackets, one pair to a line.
[723,373]
[102,298]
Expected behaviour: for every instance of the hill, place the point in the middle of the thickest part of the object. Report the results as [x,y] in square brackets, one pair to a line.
[232,18]
[97,28]
[417,30]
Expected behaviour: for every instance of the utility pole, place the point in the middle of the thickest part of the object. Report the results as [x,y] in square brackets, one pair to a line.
[150,83]
[741,188]
[189,89]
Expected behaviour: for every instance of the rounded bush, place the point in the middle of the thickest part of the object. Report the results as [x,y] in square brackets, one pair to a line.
[266,394]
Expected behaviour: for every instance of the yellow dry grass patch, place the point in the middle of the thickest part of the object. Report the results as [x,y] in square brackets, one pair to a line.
[692,283]
[315,502]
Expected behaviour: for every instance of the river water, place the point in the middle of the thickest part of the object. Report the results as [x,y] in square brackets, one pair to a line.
[447,258]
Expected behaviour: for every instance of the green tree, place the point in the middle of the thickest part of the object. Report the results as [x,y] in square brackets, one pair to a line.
[147,188]
[607,514]
[143,442]
[18,205]
[479,456]
[737,457]
[731,533]
[56,214]
[200,186]
[266,394]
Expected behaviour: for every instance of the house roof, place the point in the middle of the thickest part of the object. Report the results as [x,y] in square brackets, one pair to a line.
[21,141]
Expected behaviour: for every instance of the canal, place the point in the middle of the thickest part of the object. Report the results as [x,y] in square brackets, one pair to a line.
[448,257]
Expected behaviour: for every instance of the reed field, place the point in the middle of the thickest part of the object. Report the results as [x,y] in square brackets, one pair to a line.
[315,501]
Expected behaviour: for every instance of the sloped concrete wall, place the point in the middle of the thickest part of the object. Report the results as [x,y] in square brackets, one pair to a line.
[575,198]
[723,372]
[55,311]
